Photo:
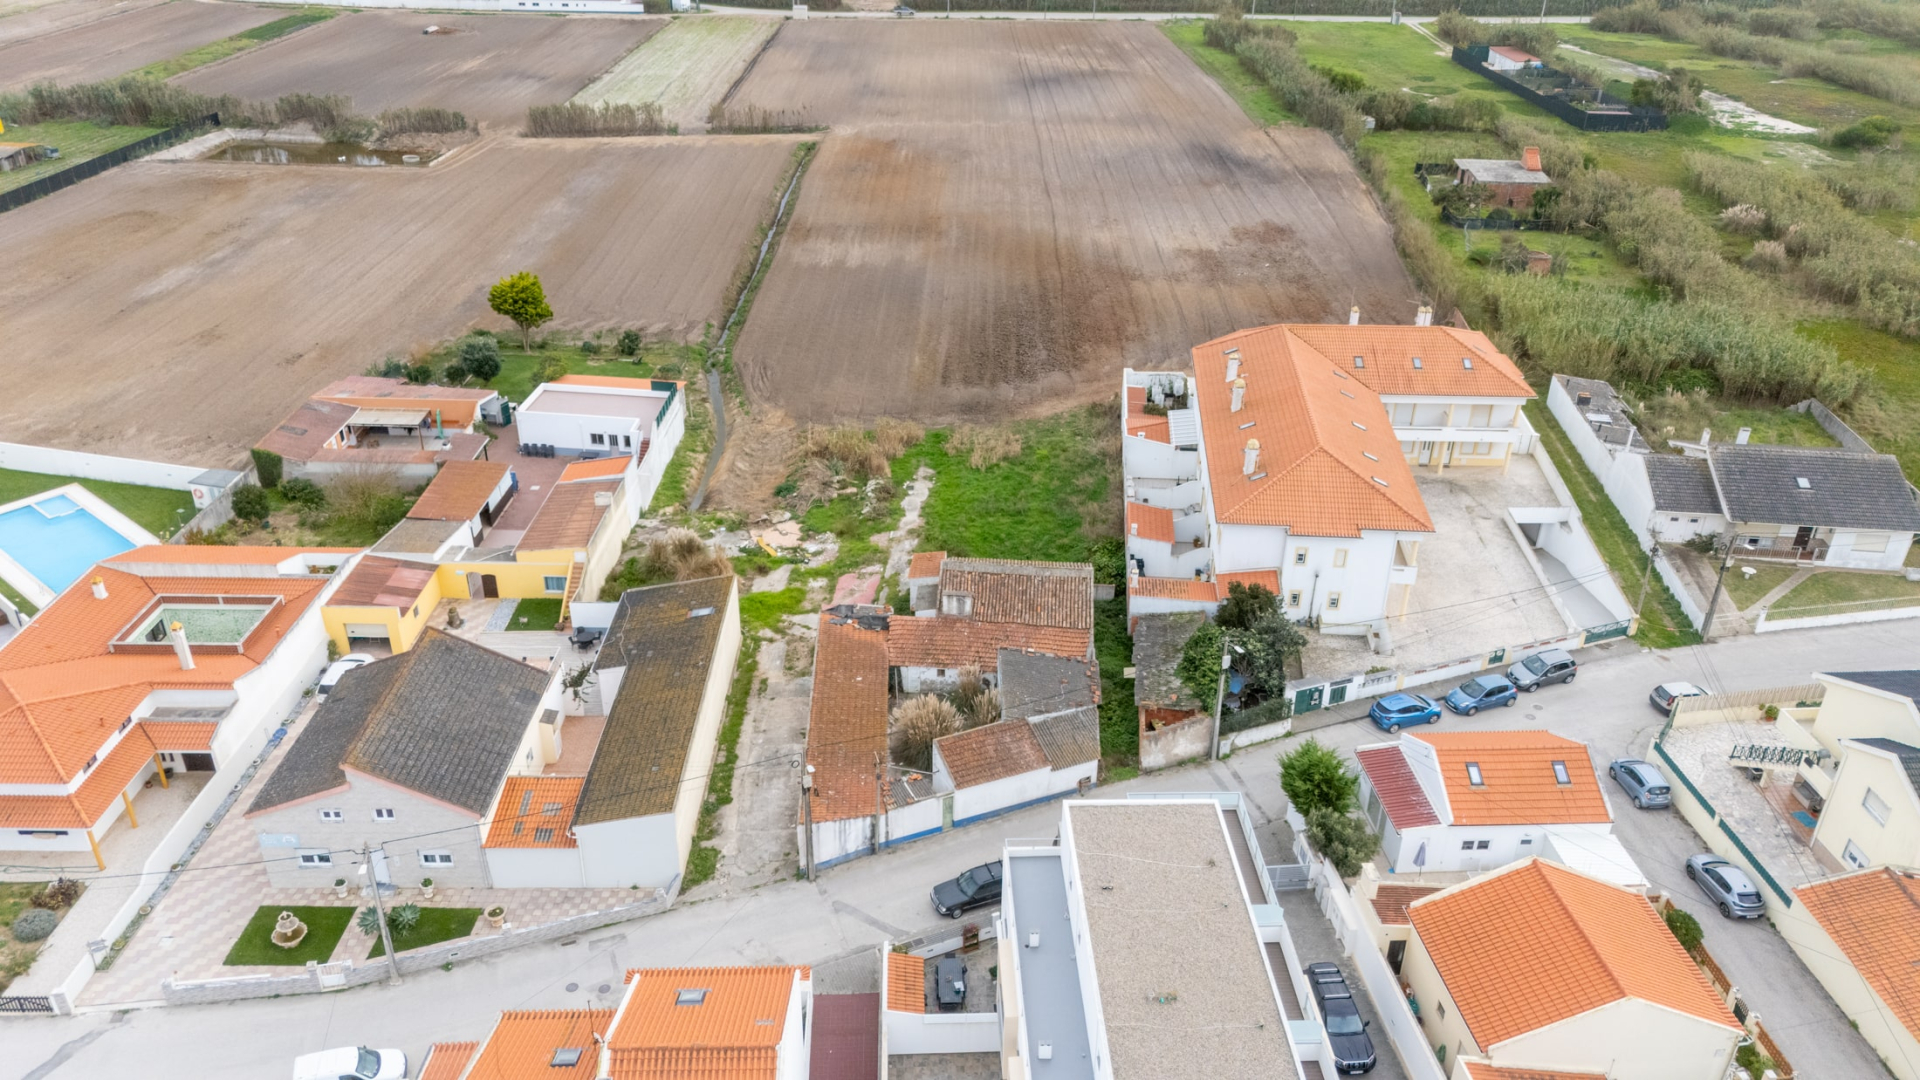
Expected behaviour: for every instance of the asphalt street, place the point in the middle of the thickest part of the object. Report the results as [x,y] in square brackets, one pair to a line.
[858,904]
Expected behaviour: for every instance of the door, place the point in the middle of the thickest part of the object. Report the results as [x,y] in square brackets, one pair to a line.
[380,875]
[1446,454]
[1802,537]
[473,585]
[946,812]
[1396,952]
[1337,694]
[1426,453]
[197,762]
[1306,701]
[489,585]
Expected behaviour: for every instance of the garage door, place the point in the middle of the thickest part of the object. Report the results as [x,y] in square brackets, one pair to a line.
[366,630]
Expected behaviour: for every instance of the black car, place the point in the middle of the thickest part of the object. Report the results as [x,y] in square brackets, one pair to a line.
[977,887]
[1346,1032]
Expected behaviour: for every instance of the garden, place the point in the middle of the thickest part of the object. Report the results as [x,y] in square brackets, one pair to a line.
[31,910]
[257,946]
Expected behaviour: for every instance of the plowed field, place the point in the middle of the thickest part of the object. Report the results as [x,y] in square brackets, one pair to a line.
[20,19]
[491,69]
[179,311]
[118,44]
[1005,213]
[685,68]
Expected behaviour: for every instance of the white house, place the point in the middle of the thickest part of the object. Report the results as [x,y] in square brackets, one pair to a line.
[1475,800]
[1507,58]
[1859,935]
[1288,458]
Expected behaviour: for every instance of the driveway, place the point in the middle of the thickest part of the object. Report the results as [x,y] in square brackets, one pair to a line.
[1314,940]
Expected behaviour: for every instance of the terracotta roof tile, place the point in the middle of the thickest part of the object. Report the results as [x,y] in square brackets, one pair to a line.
[1537,943]
[1400,793]
[1520,787]
[568,518]
[459,490]
[180,734]
[925,565]
[991,752]
[1479,1070]
[522,1045]
[1874,918]
[733,1033]
[938,641]
[846,1037]
[446,1061]
[1155,428]
[306,429]
[595,470]
[1268,578]
[379,581]
[1174,588]
[522,818]
[217,554]
[906,983]
[1020,591]
[847,720]
[1390,901]
[1389,352]
[1149,522]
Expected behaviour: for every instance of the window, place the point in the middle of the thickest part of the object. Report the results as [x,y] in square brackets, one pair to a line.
[689,997]
[1358,424]
[1466,845]
[1560,773]
[1339,556]
[91,762]
[315,857]
[1359,362]
[542,836]
[1482,845]
[333,815]
[626,441]
[1369,456]
[1855,857]
[1441,1008]
[1333,601]
[436,858]
[1416,363]
[565,1058]
[1876,806]
[1473,774]
[1526,841]
[384,814]
[554,583]
[597,439]
[1293,598]
[1299,556]
[1467,362]
[1870,541]
[551,809]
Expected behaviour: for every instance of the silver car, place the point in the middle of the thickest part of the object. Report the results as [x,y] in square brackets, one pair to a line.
[1666,694]
[1642,782]
[1548,666]
[1727,886]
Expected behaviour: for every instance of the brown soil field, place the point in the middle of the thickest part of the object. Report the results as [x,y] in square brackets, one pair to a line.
[492,69]
[31,18]
[1005,213]
[114,46]
[179,310]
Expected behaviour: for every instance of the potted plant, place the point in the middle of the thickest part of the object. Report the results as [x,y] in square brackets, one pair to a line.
[340,887]
[426,888]
[496,915]
[1770,713]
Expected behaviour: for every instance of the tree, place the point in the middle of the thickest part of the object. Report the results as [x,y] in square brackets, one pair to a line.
[629,343]
[1199,667]
[480,357]
[1314,778]
[1246,605]
[250,503]
[1685,928]
[1266,648]
[1343,839]
[269,466]
[521,299]
[551,368]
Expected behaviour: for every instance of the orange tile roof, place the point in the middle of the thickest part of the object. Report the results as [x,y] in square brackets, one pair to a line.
[1536,943]
[1156,428]
[378,581]
[457,405]
[1023,591]
[847,719]
[446,1061]
[1149,522]
[1480,1070]
[991,752]
[597,469]
[1269,578]
[1390,901]
[906,983]
[925,564]
[1392,779]
[1520,787]
[1389,353]
[568,518]
[180,734]
[522,1044]
[938,641]
[1874,918]
[459,491]
[1174,588]
[732,1034]
[521,817]
[1328,462]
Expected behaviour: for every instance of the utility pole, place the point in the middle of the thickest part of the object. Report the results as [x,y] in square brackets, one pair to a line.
[386,935]
[1220,700]
[806,804]
[1653,553]
[879,804]
[1706,632]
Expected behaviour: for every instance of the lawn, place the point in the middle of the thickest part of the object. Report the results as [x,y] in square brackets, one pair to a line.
[16,957]
[437,924]
[1664,416]
[255,946]
[1254,97]
[656,361]
[157,510]
[77,141]
[227,46]
[538,613]
[1891,419]
[1839,592]
[1119,719]
[1398,58]
[1747,592]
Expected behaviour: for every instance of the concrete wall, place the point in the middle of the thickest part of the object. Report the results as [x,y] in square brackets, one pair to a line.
[1316,572]
[285,831]
[1626,1038]
[644,480]
[642,851]
[1175,743]
[942,1033]
[46,459]
[999,796]
[1847,712]
[1895,842]
[535,868]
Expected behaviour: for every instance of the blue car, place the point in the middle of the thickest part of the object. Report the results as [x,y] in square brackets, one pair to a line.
[1482,693]
[1396,711]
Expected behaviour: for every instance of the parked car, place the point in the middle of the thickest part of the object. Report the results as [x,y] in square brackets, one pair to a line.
[1395,711]
[950,983]
[1346,1032]
[977,887]
[903,11]
[351,1063]
[1727,886]
[1667,693]
[1642,782]
[1482,693]
[340,667]
[1536,671]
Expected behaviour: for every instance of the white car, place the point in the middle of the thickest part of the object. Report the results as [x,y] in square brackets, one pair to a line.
[1666,694]
[351,1063]
[341,667]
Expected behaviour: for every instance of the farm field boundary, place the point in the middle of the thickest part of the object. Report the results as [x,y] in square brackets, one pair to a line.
[685,69]
[94,166]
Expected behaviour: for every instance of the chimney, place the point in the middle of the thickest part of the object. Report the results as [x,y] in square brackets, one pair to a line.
[1239,394]
[1353,317]
[1740,437]
[99,587]
[180,648]
[1583,399]
[1423,317]
[1706,436]
[603,498]
[1233,364]
[1530,158]
[1253,457]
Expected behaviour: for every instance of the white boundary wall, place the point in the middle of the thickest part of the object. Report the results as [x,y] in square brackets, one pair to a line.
[46,459]
[1766,625]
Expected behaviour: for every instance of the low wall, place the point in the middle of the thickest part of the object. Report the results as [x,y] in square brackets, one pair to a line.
[942,1033]
[1767,624]
[1834,426]
[47,459]
[596,615]
[1175,743]
[1255,736]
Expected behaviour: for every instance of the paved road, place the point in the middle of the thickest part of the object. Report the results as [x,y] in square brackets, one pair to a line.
[863,902]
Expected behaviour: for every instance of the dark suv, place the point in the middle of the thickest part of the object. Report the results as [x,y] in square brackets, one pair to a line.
[1346,1032]
[977,887]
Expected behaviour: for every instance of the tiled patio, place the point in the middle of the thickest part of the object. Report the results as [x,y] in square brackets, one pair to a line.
[188,935]
[1759,811]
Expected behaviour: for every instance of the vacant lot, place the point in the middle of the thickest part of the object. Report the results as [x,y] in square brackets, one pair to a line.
[685,68]
[114,46]
[76,142]
[178,311]
[1007,212]
[31,18]
[491,69]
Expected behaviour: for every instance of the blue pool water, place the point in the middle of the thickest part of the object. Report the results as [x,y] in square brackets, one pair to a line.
[57,540]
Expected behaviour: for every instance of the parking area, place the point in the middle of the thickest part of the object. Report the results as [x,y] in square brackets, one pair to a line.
[1314,940]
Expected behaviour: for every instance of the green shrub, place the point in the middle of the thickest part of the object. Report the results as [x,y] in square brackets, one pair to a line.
[34,924]
[1245,605]
[1347,82]
[1344,840]
[368,921]
[270,466]
[331,115]
[629,343]
[1686,929]
[1199,667]
[1109,559]
[250,503]
[304,493]
[1874,131]
[1316,779]
[404,918]
[479,357]
[574,119]
[1749,1057]
[427,120]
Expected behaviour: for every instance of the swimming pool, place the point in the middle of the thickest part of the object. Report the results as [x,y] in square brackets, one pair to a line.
[56,540]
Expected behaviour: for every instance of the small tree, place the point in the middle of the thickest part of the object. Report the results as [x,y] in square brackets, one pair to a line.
[250,503]
[1314,778]
[1343,839]
[303,493]
[1266,648]
[270,466]
[551,368]
[521,299]
[629,344]
[1686,929]
[1199,667]
[1246,605]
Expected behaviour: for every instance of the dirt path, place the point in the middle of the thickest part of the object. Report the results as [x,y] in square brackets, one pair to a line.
[758,840]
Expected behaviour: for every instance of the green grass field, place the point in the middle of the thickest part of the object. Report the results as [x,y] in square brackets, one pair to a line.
[240,42]
[1254,97]
[684,68]
[1838,592]
[1398,58]
[537,613]
[76,141]
[1747,591]
[656,361]
[255,945]
[157,510]
[437,924]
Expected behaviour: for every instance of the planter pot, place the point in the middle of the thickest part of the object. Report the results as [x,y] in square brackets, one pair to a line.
[495,921]
[340,892]
[426,892]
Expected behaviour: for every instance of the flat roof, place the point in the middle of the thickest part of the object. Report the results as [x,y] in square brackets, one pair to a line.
[1050,999]
[1184,986]
[639,402]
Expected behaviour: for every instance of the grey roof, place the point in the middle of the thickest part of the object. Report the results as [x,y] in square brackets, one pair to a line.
[415,536]
[1904,683]
[1495,171]
[1848,490]
[442,719]
[1909,757]
[1158,640]
[1682,485]
[1604,412]
[1069,738]
[1034,684]
[668,651]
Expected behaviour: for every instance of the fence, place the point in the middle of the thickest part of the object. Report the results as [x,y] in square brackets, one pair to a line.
[1497,224]
[73,174]
[1617,116]
[1884,609]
